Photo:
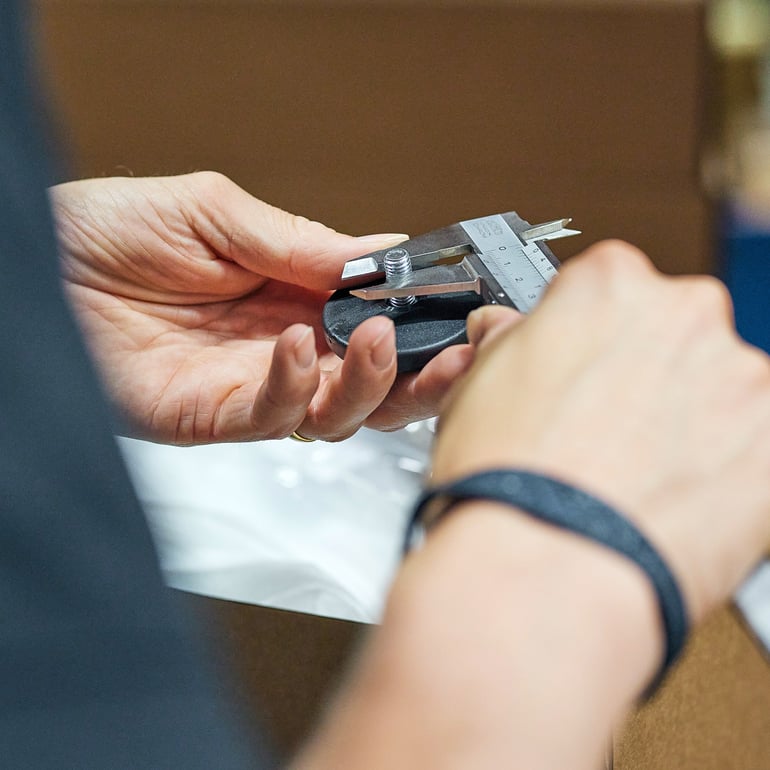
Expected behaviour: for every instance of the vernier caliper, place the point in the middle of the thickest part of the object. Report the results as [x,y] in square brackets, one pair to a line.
[434,280]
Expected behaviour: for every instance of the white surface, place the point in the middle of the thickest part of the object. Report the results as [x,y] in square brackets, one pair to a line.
[310,527]
[753,599]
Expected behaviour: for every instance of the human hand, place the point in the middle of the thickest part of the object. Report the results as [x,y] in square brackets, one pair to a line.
[635,387]
[202,306]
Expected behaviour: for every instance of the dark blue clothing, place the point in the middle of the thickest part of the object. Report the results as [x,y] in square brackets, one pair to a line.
[98,667]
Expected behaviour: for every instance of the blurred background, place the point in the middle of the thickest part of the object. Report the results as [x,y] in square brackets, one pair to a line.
[648,121]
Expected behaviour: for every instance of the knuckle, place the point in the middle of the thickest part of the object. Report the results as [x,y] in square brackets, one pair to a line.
[614,256]
[213,182]
[707,298]
[302,234]
[298,234]
[615,250]
[754,369]
[606,263]
[212,193]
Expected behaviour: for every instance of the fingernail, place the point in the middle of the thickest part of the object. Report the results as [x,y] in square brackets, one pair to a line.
[383,239]
[304,350]
[384,349]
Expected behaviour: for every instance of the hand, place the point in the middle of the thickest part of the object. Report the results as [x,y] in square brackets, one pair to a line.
[635,387]
[202,306]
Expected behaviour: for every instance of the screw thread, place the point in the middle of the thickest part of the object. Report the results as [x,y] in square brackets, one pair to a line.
[398,264]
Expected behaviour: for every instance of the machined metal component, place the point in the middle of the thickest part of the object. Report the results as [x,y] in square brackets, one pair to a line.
[500,257]
[547,231]
[430,283]
[398,268]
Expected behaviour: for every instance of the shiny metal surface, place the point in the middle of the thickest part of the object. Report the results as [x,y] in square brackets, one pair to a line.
[431,280]
[500,257]
[540,232]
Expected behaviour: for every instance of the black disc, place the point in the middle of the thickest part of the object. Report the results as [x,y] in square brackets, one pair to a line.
[423,329]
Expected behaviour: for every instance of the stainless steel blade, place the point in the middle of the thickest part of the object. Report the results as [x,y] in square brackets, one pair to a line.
[539,232]
[548,231]
[430,280]
[565,232]
[503,256]
[372,266]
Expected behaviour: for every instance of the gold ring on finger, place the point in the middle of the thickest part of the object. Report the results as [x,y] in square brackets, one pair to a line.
[297,436]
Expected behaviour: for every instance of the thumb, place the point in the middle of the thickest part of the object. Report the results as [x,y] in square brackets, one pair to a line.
[274,243]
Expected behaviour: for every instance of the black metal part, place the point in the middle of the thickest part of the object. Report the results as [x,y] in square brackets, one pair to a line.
[423,329]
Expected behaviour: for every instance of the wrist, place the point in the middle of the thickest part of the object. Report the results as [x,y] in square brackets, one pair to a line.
[557,626]
[506,642]
[487,552]
[566,507]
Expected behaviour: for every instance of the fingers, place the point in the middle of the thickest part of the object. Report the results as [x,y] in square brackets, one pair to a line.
[611,261]
[355,389]
[419,395]
[364,389]
[283,398]
[489,321]
[422,394]
[272,242]
[293,395]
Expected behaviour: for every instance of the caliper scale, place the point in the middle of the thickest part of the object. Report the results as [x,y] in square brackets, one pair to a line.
[434,280]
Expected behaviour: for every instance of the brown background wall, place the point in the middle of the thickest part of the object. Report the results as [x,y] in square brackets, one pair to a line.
[399,116]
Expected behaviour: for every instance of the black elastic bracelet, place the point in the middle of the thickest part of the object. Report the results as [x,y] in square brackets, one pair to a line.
[565,506]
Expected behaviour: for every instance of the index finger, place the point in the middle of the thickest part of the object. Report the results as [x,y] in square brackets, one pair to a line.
[272,242]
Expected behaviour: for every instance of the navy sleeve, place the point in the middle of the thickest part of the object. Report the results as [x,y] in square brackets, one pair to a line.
[98,667]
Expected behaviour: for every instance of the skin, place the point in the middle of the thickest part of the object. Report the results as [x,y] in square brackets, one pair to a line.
[511,643]
[202,306]
[506,642]
[654,403]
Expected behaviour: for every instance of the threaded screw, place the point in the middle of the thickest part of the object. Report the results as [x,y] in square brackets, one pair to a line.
[398,264]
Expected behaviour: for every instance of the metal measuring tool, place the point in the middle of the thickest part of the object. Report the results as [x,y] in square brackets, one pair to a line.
[434,280]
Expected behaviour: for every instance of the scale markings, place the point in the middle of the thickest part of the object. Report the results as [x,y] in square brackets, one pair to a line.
[522,269]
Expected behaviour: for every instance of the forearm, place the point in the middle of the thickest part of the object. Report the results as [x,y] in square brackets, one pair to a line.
[505,643]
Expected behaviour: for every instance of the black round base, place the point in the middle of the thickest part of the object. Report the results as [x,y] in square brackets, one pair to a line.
[423,329]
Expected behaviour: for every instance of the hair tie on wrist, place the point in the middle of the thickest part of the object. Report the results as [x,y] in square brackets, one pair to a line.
[565,506]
